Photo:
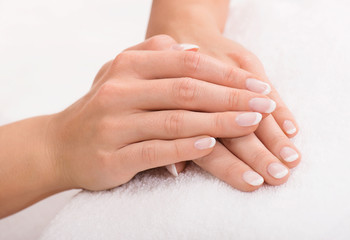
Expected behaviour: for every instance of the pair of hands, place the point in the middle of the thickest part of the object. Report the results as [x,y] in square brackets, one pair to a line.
[152,106]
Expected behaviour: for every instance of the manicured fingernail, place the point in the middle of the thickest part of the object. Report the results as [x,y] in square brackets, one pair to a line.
[253,178]
[185,47]
[258,86]
[289,127]
[263,105]
[277,170]
[289,154]
[205,143]
[248,119]
[172,169]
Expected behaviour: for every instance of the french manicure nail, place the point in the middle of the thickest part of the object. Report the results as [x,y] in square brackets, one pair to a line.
[252,178]
[172,169]
[289,127]
[263,105]
[258,86]
[185,47]
[248,119]
[277,170]
[289,154]
[205,143]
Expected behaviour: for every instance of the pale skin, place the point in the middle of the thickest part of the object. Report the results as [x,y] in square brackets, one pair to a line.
[148,109]
[201,22]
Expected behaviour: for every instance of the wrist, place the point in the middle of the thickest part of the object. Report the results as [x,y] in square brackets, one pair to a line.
[184,25]
[45,158]
[27,165]
[54,148]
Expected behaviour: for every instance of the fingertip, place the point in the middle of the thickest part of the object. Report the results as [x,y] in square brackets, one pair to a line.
[248,119]
[290,128]
[252,180]
[205,143]
[180,167]
[255,85]
[185,47]
[172,170]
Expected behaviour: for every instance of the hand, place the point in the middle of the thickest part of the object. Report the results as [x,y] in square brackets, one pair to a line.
[246,162]
[265,152]
[131,120]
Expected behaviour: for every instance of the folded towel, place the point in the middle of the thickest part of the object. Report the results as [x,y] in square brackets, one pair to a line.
[305,48]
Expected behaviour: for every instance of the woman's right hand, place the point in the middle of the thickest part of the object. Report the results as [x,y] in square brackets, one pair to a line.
[148,109]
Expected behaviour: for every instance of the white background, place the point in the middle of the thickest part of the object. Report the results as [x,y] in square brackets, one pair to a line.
[50,52]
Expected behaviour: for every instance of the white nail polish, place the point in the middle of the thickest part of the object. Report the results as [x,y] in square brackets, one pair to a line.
[263,105]
[258,86]
[248,119]
[172,169]
[289,127]
[253,178]
[289,154]
[205,143]
[277,170]
[185,47]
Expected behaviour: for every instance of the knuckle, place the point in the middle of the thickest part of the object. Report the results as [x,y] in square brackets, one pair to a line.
[260,157]
[161,41]
[218,123]
[185,89]
[177,150]
[230,74]
[149,153]
[191,61]
[232,98]
[122,59]
[279,140]
[248,58]
[173,123]
[109,91]
[230,172]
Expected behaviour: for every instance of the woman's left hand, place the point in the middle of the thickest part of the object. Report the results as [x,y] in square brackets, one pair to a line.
[261,150]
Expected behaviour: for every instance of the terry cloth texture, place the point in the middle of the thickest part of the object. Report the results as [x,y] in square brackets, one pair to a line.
[305,48]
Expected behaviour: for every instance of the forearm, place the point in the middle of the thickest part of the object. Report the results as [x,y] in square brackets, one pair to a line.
[187,17]
[26,169]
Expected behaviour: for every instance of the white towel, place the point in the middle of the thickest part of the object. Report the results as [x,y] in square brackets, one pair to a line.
[304,46]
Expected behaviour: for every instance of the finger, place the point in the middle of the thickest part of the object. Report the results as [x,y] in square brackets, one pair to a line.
[222,164]
[156,153]
[193,94]
[176,168]
[158,42]
[271,135]
[251,151]
[175,64]
[183,124]
[282,114]
[185,47]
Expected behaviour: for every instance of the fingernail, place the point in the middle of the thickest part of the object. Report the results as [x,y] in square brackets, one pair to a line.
[289,154]
[258,86]
[248,119]
[172,169]
[289,127]
[185,47]
[205,143]
[263,105]
[252,178]
[277,170]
